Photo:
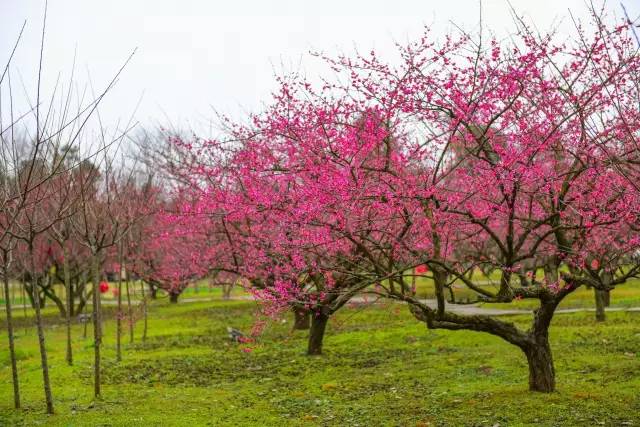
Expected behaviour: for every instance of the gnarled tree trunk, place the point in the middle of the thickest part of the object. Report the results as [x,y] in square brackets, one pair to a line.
[534,343]
[542,375]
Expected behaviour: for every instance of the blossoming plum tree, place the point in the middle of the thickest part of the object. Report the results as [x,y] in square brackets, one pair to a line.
[464,156]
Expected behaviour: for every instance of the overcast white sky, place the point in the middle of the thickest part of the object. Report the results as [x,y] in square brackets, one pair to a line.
[197,55]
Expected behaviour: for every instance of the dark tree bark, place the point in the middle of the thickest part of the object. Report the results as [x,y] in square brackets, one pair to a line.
[43,353]
[69,313]
[316,333]
[33,292]
[153,291]
[534,343]
[542,376]
[301,319]
[49,292]
[119,313]
[82,307]
[144,313]
[129,310]
[40,330]
[12,351]
[600,299]
[97,326]
[173,297]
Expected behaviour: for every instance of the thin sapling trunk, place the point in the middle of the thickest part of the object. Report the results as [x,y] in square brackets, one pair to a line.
[12,351]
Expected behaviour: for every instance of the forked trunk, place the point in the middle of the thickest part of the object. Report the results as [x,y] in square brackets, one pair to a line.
[316,333]
[301,319]
[542,376]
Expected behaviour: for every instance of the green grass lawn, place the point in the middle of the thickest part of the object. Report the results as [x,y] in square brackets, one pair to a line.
[380,368]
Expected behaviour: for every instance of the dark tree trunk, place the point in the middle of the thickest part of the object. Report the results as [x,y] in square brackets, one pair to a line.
[48,292]
[83,303]
[600,298]
[607,298]
[316,333]
[24,305]
[12,351]
[534,343]
[97,326]
[82,299]
[173,297]
[522,276]
[33,293]
[129,310]
[41,341]
[69,313]
[542,375]
[119,313]
[153,291]
[144,313]
[301,319]
[43,353]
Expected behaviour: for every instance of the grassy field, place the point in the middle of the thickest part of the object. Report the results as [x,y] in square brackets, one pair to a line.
[381,367]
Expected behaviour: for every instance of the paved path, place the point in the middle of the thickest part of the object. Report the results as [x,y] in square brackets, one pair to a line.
[478,309]
[469,309]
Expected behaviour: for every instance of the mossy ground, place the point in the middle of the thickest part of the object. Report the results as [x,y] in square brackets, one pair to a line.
[381,367]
